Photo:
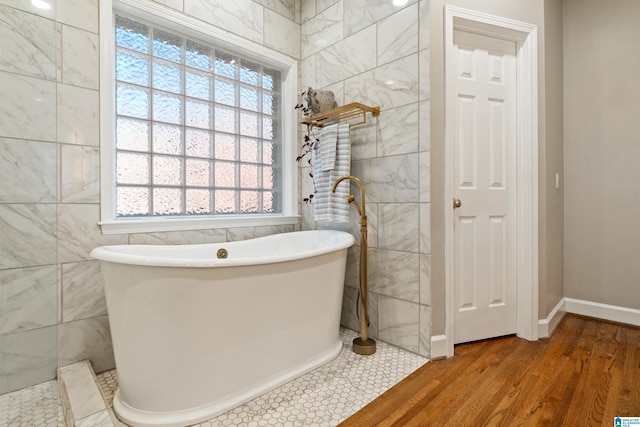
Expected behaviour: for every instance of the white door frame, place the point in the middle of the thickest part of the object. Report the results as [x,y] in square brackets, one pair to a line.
[525,37]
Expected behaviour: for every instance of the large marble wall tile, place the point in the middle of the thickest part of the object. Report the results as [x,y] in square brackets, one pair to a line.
[80,174]
[28,107]
[27,43]
[286,8]
[27,235]
[79,13]
[31,7]
[391,85]
[399,322]
[78,115]
[424,348]
[392,179]
[425,125]
[80,63]
[324,4]
[28,358]
[242,17]
[398,35]
[189,237]
[398,131]
[281,34]
[174,4]
[29,298]
[398,226]
[348,57]
[307,72]
[425,279]
[364,139]
[395,274]
[307,10]
[359,14]
[425,36]
[424,77]
[82,291]
[86,339]
[79,232]
[425,228]
[322,30]
[246,233]
[425,177]
[27,171]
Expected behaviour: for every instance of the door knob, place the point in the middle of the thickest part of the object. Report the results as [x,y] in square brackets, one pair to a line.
[457,203]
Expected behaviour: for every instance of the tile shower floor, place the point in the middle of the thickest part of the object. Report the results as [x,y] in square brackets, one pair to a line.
[324,397]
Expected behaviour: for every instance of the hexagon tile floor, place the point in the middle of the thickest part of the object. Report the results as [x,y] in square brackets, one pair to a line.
[35,406]
[324,397]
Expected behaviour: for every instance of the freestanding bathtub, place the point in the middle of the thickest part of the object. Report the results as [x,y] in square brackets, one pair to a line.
[194,335]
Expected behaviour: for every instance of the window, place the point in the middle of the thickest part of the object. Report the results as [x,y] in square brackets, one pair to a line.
[199,132]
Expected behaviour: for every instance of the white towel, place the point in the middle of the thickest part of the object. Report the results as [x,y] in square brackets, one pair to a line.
[328,146]
[328,206]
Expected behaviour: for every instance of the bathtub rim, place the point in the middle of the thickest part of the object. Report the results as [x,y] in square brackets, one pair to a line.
[119,253]
[191,416]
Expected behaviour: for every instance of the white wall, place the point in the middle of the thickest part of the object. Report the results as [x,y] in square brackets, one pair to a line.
[602,151]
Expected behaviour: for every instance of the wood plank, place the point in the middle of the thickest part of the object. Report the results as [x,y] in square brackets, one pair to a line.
[586,374]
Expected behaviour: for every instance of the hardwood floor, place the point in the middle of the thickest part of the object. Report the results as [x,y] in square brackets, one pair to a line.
[585,375]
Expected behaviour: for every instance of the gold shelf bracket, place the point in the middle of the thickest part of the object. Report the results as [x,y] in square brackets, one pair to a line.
[348,111]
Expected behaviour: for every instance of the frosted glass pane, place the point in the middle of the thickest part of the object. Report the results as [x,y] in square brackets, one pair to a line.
[167,139]
[271,79]
[198,173]
[248,124]
[131,34]
[270,128]
[270,153]
[249,150]
[198,143]
[225,65]
[198,85]
[132,168]
[131,68]
[167,77]
[225,119]
[225,92]
[132,134]
[249,201]
[198,114]
[167,108]
[225,201]
[267,178]
[198,202]
[249,72]
[225,147]
[271,104]
[167,201]
[167,170]
[198,56]
[132,201]
[225,174]
[132,101]
[167,46]
[248,176]
[248,98]
[268,202]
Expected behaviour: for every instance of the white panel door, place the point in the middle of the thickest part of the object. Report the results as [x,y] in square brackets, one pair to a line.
[484,182]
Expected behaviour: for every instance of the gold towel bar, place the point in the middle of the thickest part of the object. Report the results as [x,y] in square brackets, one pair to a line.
[340,113]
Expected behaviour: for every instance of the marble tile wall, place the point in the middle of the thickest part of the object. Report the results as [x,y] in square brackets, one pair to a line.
[52,307]
[373,52]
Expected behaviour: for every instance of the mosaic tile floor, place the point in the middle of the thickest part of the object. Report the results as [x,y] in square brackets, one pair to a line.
[35,406]
[323,397]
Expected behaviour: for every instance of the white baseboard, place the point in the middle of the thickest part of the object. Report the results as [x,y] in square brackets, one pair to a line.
[613,313]
[546,327]
[439,347]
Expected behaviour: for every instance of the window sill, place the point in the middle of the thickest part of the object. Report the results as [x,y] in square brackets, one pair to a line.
[145,225]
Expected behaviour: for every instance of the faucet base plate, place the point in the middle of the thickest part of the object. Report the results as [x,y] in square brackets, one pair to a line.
[365,348]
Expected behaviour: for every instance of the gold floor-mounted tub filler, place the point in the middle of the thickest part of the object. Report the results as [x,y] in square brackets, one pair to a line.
[363,344]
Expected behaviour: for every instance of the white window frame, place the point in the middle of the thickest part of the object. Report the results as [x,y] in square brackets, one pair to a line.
[170,18]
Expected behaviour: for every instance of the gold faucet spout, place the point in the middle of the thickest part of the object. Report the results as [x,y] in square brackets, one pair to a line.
[350,197]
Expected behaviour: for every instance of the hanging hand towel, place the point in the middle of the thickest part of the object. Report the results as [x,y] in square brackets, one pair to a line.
[328,206]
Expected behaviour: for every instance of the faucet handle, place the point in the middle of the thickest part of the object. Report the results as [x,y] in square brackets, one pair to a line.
[350,198]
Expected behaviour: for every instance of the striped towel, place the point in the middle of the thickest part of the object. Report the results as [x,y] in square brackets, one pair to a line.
[328,206]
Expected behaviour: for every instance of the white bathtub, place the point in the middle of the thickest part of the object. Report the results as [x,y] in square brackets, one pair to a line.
[194,335]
